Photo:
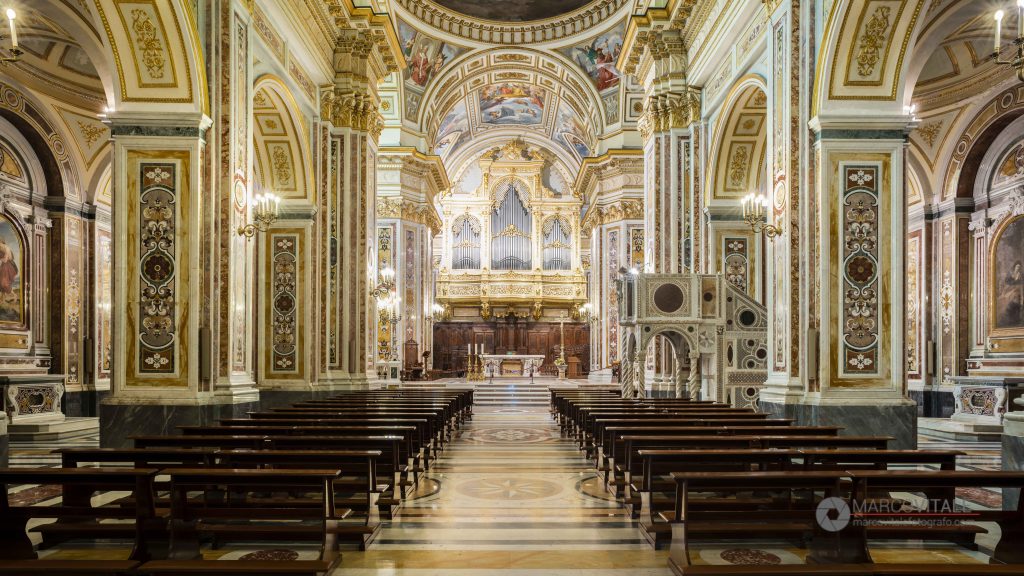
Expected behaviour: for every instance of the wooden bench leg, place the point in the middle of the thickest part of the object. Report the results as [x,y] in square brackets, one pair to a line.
[679,553]
[1009,549]
[14,541]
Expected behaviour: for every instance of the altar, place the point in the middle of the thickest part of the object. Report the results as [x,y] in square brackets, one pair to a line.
[512,364]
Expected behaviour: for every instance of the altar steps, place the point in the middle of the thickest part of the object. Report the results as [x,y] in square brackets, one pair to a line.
[66,429]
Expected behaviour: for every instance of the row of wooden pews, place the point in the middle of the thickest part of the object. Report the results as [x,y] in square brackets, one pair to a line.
[702,471]
[320,472]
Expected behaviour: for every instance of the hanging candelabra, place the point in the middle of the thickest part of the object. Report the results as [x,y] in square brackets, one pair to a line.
[265,209]
[14,50]
[755,211]
[1016,61]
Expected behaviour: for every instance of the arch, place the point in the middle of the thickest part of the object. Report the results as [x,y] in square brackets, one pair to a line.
[979,134]
[280,141]
[33,122]
[864,57]
[157,55]
[738,159]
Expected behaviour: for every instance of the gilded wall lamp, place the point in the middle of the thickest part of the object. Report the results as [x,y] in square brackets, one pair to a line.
[15,51]
[755,210]
[265,209]
[1016,60]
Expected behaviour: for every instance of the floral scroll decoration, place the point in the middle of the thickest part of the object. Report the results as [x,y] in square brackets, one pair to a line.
[736,262]
[157,229]
[860,281]
[283,311]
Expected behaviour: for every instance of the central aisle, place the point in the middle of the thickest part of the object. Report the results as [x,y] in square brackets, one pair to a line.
[509,496]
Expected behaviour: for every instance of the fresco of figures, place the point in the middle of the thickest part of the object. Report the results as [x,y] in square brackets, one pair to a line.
[597,58]
[512,103]
[426,58]
[453,131]
[571,132]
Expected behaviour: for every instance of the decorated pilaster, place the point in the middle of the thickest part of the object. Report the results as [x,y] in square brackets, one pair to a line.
[231,257]
[160,365]
[352,124]
[613,186]
[407,222]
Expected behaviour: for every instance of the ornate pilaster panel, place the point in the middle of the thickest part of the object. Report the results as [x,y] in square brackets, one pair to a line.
[104,300]
[385,259]
[915,308]
[70,285]
[953,279]
[862,267]
[285,295]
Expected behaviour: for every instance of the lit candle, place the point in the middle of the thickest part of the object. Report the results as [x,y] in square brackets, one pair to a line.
[14,31]
[999,29]
[1020,18]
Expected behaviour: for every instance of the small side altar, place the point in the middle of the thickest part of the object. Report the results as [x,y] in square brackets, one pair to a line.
[512,364]
[985,399]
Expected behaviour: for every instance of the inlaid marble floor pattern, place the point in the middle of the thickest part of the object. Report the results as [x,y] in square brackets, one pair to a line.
[510,497]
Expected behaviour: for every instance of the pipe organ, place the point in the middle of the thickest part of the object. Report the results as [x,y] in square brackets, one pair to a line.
[466,243]
[557,243]
[511,247]
[511,224]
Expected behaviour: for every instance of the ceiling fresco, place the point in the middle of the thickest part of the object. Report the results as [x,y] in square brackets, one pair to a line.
[513,10]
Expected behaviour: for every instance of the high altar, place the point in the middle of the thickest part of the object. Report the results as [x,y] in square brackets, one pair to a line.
[512,364]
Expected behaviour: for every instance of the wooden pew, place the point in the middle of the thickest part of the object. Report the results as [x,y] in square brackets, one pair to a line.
[616,448]
[359,490]
[148,532]
[844,550]
[225,513]
[631,465]
[658,464]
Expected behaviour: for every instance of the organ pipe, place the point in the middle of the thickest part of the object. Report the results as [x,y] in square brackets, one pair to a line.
[466,244]
[511,225]
[557,245]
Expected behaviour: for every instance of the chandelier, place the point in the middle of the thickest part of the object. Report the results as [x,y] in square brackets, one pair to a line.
[755,210]
[387,298]
[265,208]
[1017,60]
[15,51]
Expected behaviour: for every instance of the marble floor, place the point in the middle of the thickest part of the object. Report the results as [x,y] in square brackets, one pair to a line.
[510,497]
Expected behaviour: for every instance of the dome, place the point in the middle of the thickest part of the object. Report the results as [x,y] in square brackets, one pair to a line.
[517,11]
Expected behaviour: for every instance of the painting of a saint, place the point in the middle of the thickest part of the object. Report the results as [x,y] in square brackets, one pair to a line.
[512,103]
[1008,276]
[12,296]
[426,56]
[597,58]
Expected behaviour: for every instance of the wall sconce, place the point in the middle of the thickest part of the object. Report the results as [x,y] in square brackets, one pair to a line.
[585,313]
[265,209]
[440,313]
[1017,61]
[15,51]
[755,210]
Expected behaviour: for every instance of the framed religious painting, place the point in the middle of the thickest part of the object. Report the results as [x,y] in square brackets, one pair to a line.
[1006,287]
[12,275]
